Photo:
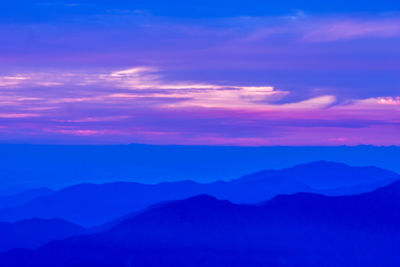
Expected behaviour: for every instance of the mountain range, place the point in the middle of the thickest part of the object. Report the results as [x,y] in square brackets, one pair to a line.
[57,166]
[21,198]
[95,204]
[302,229]
[34,233]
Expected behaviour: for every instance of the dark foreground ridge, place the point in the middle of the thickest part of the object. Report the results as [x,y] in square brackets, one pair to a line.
[292,230]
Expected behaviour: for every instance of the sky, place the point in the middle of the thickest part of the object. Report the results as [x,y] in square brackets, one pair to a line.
[249,73]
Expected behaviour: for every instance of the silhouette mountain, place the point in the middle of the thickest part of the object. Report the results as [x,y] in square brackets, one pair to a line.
[32,165]
[91,204]
[290,230]
[35,233]
[324,175]
[23,197]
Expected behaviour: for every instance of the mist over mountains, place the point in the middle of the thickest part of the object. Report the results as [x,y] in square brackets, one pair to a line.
[95,204]
[33,233]
[208,133]
[320,213]
[56,166]
[293,230]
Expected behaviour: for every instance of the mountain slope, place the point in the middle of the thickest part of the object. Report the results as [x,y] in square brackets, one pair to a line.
[35,233]
[32,165]
[91,204]
[23,197]
[296,230]
[322,175]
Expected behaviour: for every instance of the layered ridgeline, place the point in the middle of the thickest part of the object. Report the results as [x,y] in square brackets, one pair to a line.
[94,204]
[13,200]
[55,166]
[290,230]
[34,233]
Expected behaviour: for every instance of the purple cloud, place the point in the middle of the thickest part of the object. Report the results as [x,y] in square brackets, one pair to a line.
[129,77]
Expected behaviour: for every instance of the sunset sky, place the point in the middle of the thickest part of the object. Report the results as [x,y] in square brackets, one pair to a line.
[174,72]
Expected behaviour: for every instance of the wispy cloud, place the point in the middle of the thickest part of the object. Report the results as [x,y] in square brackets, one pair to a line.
[141,105]
[139,83]
[347,29]
[123,76]
[17,115]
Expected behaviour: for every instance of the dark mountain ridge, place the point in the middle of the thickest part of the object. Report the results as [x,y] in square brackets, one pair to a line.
[290,230]
[95,204]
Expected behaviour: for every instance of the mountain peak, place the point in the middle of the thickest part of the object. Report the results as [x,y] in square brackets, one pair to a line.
[202,198]
[325,174]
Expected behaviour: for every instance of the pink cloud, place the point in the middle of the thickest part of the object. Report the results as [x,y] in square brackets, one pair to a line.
[140,105]
[18,115]
[83,132]
[389,100]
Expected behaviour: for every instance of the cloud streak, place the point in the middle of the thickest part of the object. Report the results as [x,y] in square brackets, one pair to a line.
[140,105]
[122,77]
[350,29]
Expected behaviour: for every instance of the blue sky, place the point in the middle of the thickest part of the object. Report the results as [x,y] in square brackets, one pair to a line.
[50,10]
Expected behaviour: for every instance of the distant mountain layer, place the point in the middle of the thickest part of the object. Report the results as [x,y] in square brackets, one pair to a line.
[91,204]
[325,175]
[55,166]
[35,233]
[290,230]
[23,197]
